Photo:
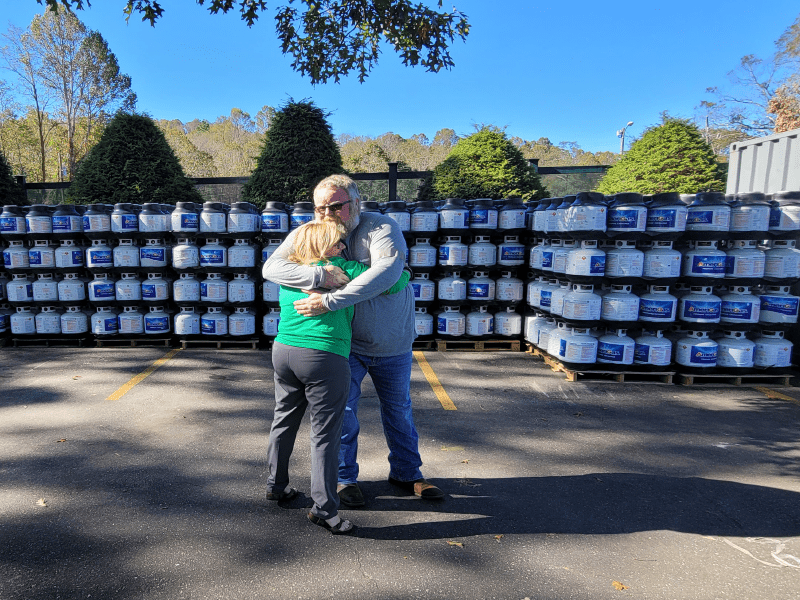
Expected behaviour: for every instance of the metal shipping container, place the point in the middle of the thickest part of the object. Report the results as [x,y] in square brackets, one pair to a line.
[768,164]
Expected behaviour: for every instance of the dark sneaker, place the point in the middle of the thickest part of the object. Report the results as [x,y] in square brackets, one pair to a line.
[419,487]
[350,495]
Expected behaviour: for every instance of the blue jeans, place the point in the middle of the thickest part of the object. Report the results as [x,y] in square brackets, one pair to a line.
[391,376]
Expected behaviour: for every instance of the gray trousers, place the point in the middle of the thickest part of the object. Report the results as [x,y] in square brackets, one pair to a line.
[320,381]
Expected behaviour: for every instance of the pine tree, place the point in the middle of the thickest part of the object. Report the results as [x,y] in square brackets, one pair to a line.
[10,192]
[298,152]
[672,157]
[132,162]
[484,165]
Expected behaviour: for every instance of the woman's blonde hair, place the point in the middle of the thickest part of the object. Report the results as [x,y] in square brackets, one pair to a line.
[314,240]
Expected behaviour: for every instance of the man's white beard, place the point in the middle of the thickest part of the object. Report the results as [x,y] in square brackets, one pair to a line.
[350,224]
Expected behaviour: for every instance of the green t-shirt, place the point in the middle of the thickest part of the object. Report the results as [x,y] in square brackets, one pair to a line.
[330,331]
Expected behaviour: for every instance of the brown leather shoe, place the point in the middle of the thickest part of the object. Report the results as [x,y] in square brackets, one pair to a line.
[419,487]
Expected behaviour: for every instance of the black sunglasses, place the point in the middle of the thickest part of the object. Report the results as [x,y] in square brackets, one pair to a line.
[333,207]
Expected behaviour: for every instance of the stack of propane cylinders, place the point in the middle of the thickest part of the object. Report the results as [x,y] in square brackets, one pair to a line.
[631,282]
[128,270]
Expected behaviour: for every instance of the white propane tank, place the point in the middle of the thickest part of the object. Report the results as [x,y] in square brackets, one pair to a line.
[582,304]
[99,255]
[778,305]
[587,261]
[557,298]
[480,322]
[744,260]
[588,213]
[214,289]
[242,254]
[23,322]
[153,253]
[242,322]
[41,256]
[104,322]
[544,330]
[546,294]
[658,305]
[508,323]
[213,254]
[453,253]
[126,254]
[652,348]
[101,289]
[772,350]
[709,212]
[214,322]
[45,288]
[482,253]
[535,261]
[19,289]
[68,255]
[451,322]
[128,288]
[71,289]
[579,347]
[735,351]
[16,256]
[184,218]
[561,250]
[620,304]
[627,214]
[511,253]
[424,218]
[422,254]
[187,322]
[534,292]
[155,288]
[509,288]
[740,306]
[480,287]
[454,215]
[130,321]
[269,249]
[616,348]
[703,259]
[550,255]
[483,215]
[529,324]
[556,340]
[423,322]
[270,291]
[241,289]
[74,321]
[661,261]
[696,351]
[271,321]
[48,321]
[700,305]
[624,260]
[185,254]
[666,214]
[157,321]
[452,287]
[186,288]
[782,260]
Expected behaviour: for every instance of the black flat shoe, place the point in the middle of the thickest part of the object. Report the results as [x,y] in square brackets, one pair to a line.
[343,527]
[419,487]
[350,495]
[281,496]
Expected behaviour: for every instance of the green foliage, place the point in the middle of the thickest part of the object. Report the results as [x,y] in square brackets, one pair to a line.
[298,152]
[672,157]
[485,165]
[132,162]
[10,192]
[329,39]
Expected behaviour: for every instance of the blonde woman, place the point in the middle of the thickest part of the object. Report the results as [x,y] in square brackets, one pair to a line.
[310,361]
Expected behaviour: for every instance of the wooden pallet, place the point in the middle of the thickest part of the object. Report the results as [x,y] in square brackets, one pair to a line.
[424,345]
[726,378]
[48,342]
[220,344]
[600,374]
[133,342]
[478,345]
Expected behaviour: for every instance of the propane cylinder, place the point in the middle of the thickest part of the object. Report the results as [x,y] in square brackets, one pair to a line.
[696,351]
[508,323]
[271,321]
[274,218]
[453,253]
[587,261]
[269,249]
[242,322]
[130,321]
[241,289]
[48,321]
[557,298]
[153,253]
[483,215]
[542,333]
[627,213]
[213,254]
[74,321]
[302,213]
[480,322]
[703,259]
[750,212]
[270,291]
[16,256]
[620,304]
[451,321]
[126,254]
[213,218]
[104,322]
[214,322]
[512,215]
[41,256]
[214,289]
[785,212]
[38,219]
[561,250]
[128,288]
[652,348]
[45,288]
[744,260]
[68,255]
[187,322]
[422,254]
[19,289]
[556,340]
[482,253]
[587,214]
[778,305]
[423,322]
[242,218]
[157,321]
[124,219]
[71,288]
[480,287]
[186,288]
[101,289]
[616,348]
[452,287]
[424,218]
[661,261]
[453,215]
[658,305]
[66,220]
[624,260]
[242,254]
[782,260]
[23,322]
[97,219]
[700,305]
[735,351]
[152,219]
[185,254]
[582,304]
[666,214]
[709,212]
[509,288]
[740,306]
[155,288]
[772,350]
[579,347]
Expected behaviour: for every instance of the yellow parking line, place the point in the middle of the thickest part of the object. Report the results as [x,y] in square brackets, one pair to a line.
[770,393]
[143,375]
[433,380]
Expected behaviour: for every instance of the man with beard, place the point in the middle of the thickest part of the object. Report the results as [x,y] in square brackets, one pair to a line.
[383,330]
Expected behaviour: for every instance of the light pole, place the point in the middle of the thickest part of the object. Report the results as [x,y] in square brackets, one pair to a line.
[621,134]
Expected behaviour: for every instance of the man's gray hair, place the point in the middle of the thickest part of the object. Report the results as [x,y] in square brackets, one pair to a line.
[342,182]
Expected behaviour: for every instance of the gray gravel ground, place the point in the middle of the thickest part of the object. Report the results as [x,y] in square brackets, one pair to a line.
[556,490]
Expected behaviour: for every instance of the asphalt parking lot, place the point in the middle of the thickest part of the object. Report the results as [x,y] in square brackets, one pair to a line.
[139,473]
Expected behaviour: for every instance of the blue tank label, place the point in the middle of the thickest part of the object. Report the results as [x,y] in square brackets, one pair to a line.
[154,254]
[546,298]
[7,259]
[478,290]
[703,355]
[661,218]
[148,291]
[190,221]
[87,224]
[34,257]
[208,326]
[610,351]
[782,305]
[657,309]
[641,353]
[298,220]
[130,223]
[597,264]
[77,257]
[730,265]
[441,325]
[103,290]
[12,225]
[100,257]
[444,253]
[63,223]
[708,265]
[110,324]
[271,222]
[479,216]
[737,310]
[211,257]
[562,347]
[514,253]
[701,309]
[156,323]
[623,218]
[774,218]
[5,322]
[547,259]
[700,217]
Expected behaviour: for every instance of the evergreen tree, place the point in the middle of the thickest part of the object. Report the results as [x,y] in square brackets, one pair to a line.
[298,151]
[10,192]
[132,162]
[672,157]
[484,165]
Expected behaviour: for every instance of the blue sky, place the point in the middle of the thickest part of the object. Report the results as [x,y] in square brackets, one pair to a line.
[569,71]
